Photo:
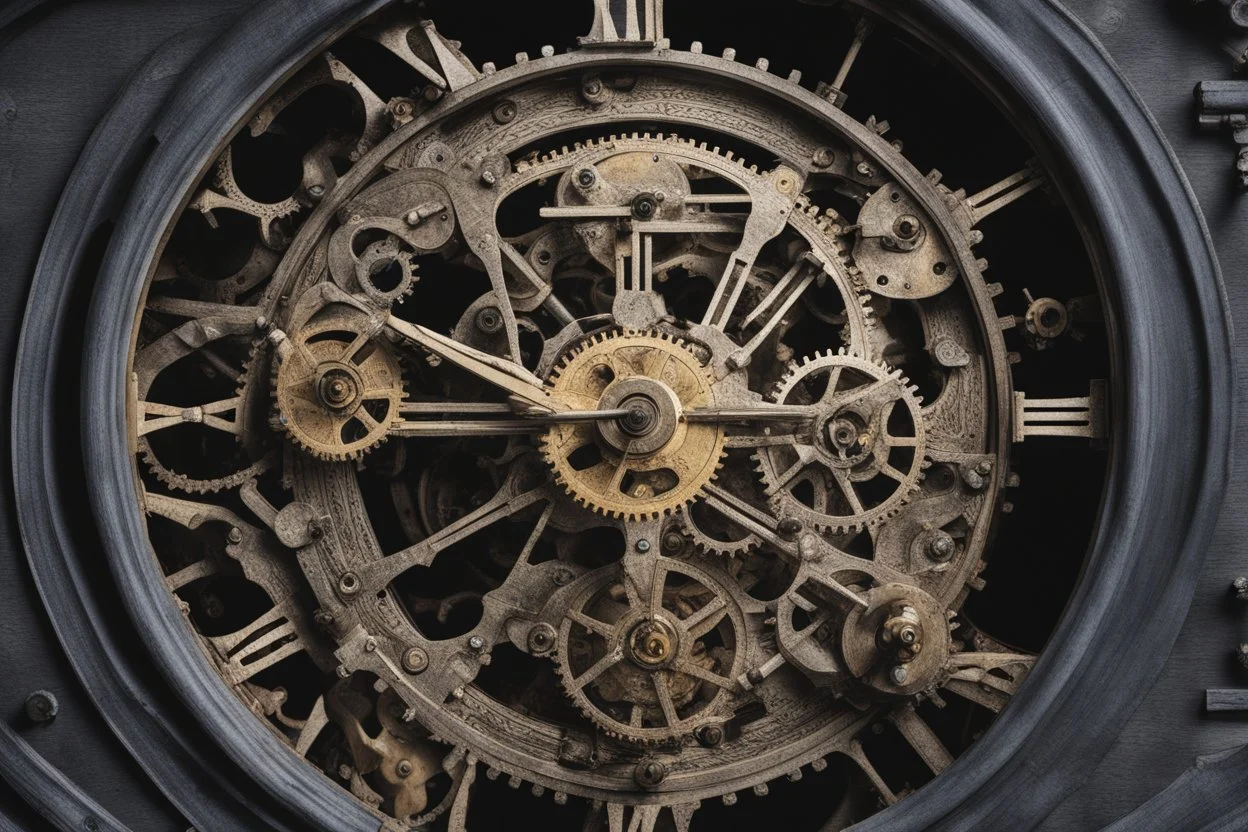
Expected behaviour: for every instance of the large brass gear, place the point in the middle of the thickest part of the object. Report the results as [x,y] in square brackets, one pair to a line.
[837,473]
[634,474]
[337,391]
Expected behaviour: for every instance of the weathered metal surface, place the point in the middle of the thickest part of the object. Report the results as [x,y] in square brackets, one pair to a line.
[657,671]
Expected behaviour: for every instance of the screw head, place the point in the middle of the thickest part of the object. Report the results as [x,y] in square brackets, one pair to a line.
[316,191]
[489,320]
[941,546]
[489,178]
[505,112]
[643,546]
[789,528]
[235,534]
[645,206]
[899,674]
[649,773]
[586,177]
[415,660]
[710,735]
[476,643]
[824,157]
[673,543]
[541,638]
[864,169]
[906,227]
[404,768]
[42,707]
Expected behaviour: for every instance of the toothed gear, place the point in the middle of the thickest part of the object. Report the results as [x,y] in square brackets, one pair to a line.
[632,480]
[825,229]
[252,440]
[192,485]
[823,477]
[710,531]
[388,257]
[651,665]
[337,392]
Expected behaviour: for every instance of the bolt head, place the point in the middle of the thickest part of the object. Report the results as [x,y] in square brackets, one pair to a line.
[789,528]
[415,660]
[42,707]
[644,206]
[349,583]
[942,546]
[489,320]
[673,543]
[586,177]
[824,157]
[541,638]
[649,773]
[710,735]
[404,768]
[505,112]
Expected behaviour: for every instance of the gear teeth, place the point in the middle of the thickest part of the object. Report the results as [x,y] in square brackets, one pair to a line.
[782,501]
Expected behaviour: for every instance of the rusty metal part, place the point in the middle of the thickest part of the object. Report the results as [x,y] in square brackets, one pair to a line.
[653,383]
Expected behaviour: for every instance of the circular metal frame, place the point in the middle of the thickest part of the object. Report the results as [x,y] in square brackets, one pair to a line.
[1168,468]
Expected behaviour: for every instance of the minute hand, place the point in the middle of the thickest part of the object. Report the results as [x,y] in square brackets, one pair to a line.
[513,378]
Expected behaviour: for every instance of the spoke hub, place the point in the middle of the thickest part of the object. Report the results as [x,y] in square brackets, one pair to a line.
[652,643]
[338,386]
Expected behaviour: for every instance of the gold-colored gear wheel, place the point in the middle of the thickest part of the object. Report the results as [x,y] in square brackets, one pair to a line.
[337,391]
[600,465]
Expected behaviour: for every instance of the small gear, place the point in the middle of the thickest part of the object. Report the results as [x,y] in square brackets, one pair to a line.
[256,456]
[862,458]
[651,667]
[386,271]
[712,532]
[652,463]
[337,391]
[191,485]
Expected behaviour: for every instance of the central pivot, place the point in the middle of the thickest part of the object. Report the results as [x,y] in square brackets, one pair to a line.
[642,418]
[651,643]
[337,386]
[654,414]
